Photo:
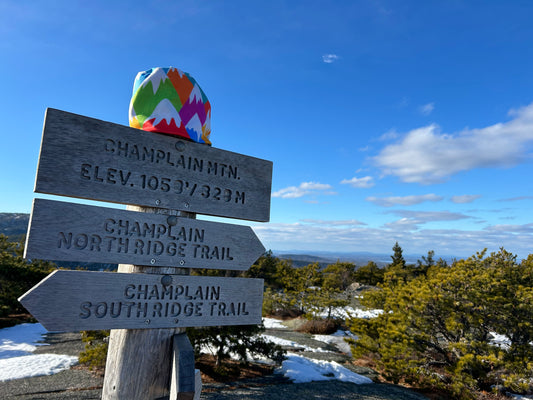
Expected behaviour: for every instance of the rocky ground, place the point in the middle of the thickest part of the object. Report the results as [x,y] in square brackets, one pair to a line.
[79,383]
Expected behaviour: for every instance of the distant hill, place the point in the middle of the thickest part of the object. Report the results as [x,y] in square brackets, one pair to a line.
[14,225]
[325,258]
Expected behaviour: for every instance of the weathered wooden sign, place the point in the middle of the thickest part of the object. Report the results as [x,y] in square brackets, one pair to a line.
[83,300]
[92,159]
[63,231]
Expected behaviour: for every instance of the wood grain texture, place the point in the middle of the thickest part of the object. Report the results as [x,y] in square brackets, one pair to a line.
[182,386]
[63,231]
[130,373]
[92,159]
[138,364]
[86,300]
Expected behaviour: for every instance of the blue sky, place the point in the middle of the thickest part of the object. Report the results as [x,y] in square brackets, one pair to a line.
[408,121]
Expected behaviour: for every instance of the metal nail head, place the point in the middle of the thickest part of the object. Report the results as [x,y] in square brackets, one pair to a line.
[152,261]
[166,280]
[180,146]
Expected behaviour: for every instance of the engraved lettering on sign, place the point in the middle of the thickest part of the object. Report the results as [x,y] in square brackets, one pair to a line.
[114,176]
[164,301]
[158,156]
[133,237]
[223,309]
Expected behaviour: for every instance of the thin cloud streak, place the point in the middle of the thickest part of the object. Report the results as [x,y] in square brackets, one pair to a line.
[427,109]
[359,183]
[403,200]
[330,58]
[305,188]
[429,216]
[518,198]
[350,222]
[465,198]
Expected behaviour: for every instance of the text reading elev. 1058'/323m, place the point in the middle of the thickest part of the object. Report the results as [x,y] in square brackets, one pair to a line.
[114,176]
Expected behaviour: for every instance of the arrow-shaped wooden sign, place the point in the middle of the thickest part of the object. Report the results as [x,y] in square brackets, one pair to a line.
[63,231]
[84,300]
[92,159]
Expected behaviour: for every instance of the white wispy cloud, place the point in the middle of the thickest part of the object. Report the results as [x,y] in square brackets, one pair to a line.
[403,200]
[426,155]
[347,222]
[360,183]
[423,217]
[519,198]
[525,228]
[330,58]
[305,188]
[426,109]
[411,220]
[465,198]
[389,135]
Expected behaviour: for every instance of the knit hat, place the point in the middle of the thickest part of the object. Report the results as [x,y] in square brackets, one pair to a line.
[170,101]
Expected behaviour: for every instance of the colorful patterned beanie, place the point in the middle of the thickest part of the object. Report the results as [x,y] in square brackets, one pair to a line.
[170,101]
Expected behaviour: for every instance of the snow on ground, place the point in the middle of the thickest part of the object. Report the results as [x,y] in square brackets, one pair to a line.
[290,343]
[19,340]
[501,341]
[349,312]
[300,369]
[16,361]
[272,323]
[337,339]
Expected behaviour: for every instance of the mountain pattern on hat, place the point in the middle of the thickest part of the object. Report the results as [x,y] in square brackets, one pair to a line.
[170,101]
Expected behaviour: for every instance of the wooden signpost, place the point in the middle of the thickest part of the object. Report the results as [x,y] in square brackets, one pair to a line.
[84,300]
[92,159]
[168,180]
[62,231]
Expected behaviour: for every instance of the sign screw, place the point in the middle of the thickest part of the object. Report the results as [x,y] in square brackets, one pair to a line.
[172,220]
[152,261]
[166,280]
[147,322]
[157,202]
[176,321]
[186,205]
[182,262]
[180,146]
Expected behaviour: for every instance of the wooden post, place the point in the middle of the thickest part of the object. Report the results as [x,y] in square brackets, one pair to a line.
[183,380]
[139,361]
[87,158]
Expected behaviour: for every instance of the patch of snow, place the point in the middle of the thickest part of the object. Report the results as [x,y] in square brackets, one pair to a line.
[272,323]
[20,340]
[290,343]
[337,339]
[16,361]
[300,369]
[521,397]
[350,312]
[501,341]
[34,365]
